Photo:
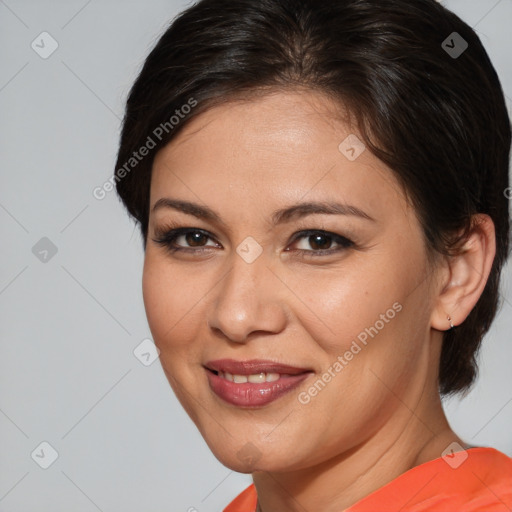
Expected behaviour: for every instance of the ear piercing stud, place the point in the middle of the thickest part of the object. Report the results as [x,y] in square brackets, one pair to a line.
[451,324]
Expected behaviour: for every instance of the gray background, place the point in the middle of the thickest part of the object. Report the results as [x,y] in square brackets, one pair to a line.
[69,325]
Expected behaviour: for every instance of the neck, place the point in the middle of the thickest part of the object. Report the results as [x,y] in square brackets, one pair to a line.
[419,433]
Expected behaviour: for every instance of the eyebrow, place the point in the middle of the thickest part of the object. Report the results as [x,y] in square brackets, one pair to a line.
[278,217]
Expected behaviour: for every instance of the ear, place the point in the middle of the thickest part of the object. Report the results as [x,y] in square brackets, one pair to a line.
[465,275]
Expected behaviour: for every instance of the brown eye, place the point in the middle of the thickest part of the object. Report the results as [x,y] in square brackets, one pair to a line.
[184,239]
[195,238]
[318,243]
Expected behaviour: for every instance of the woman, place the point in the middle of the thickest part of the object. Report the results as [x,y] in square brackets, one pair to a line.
[320,190]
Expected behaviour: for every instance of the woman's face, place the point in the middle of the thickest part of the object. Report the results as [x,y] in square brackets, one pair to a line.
[283,355]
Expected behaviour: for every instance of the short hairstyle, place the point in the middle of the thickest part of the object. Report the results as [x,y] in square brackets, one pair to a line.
[427,106]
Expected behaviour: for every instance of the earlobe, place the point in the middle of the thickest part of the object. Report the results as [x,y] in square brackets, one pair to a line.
[468,272]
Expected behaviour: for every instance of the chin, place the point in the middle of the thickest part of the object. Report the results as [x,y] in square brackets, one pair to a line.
[245,457]
[240,467]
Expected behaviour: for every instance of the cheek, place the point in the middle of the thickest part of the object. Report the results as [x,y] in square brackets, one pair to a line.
[173,321]
[168,304]
[360,332]
[368,356]
[154,295]
[353,302]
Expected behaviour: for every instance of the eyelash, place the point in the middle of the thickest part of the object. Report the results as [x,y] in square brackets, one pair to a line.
[167,238]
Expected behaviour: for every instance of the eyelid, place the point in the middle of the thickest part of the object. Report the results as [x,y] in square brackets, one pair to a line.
[167,235]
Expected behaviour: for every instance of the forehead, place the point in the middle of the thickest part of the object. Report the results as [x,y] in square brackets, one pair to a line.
[270,151]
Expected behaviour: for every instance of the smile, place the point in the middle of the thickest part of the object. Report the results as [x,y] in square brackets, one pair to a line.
[252,383]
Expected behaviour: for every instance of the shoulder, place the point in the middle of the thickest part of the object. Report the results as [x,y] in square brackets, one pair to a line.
[244,502]
[474,480]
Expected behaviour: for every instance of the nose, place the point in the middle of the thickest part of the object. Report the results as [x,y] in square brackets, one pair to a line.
[249,302]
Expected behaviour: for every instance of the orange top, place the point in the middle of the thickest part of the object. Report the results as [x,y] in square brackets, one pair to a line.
[475,480]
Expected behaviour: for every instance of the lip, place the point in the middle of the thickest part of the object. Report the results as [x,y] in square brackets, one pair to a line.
[250,394]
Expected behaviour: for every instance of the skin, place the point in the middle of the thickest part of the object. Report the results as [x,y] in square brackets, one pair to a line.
[381,415]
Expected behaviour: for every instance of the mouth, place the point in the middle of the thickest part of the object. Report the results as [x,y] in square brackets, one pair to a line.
[253,383]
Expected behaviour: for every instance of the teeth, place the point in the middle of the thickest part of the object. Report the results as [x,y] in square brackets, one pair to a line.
[256,378]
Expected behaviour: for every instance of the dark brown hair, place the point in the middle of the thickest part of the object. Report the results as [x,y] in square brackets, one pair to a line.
[427,106]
